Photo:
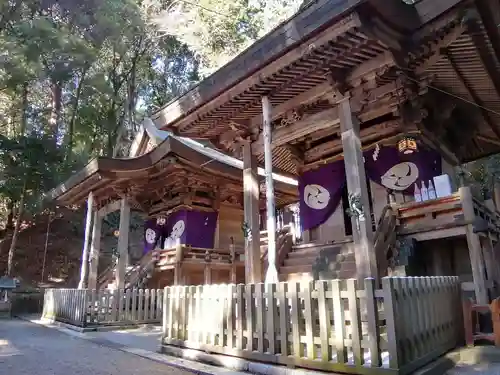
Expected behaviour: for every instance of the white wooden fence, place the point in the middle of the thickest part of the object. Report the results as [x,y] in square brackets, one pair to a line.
[87,308]
[331,325]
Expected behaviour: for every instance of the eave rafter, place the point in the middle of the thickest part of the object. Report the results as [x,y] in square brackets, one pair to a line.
[473,95]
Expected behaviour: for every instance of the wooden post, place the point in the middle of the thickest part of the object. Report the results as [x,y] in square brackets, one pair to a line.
[232,251]
[366,261]
[495,318]
[496,195]
[85,253]
[253,273]
[95,250]
[178,263]
[216,207]
[272,272]
[122,243]
[474,244]
[489,257]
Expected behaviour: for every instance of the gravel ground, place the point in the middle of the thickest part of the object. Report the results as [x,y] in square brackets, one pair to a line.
[486,369]
[28,349]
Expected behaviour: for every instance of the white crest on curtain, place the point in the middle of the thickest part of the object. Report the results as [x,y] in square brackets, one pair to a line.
[316,196]
[400,176]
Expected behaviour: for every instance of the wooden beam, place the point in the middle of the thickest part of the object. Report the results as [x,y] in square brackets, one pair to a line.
[436,49]
[484,138]
[366,135]
[311,69]
[308,96]
[353,78]
[301,128]
[431,141]
[176,112]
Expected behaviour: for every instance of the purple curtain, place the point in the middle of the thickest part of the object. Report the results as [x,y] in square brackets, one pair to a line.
[201,229]
[176,229]
[320,193]
[399,172]
[152,235]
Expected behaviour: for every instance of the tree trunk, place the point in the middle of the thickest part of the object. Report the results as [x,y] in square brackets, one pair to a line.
[24,109]
[10,216]
[13,243]
[74,112]
[55,114]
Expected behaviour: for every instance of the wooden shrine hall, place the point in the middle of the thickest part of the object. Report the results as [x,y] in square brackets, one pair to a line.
[345,81]
[369,107]
[194,209]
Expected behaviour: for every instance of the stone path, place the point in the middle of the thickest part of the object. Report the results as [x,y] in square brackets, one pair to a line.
[27,349]
[486,369]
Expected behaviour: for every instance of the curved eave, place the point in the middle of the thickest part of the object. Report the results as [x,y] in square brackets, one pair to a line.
[102,170]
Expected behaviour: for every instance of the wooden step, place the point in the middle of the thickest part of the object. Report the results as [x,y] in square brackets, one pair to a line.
[303,268]
[307,252]
[297,277]
[303,253]
[297,261]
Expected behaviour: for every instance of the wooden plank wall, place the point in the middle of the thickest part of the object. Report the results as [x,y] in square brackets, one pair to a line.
[334,325]
[230,222]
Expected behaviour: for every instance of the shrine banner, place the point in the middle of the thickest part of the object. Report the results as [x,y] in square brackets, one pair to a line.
[152,235]
[175,229]
[320,193]
[399,172]
[201,229]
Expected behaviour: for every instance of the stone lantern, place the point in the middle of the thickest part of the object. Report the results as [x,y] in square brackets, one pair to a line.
[7,284]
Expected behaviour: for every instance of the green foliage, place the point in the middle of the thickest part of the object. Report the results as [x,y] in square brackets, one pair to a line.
[77,77]
[216,31]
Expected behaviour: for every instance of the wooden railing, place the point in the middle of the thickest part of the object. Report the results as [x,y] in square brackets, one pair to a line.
[435,214]
[491,217]
[472,324]
[284,243]
[385,237]
[332,325]
[88,308]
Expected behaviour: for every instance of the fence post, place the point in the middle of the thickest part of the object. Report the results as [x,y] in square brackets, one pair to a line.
[373,323]
[390,309]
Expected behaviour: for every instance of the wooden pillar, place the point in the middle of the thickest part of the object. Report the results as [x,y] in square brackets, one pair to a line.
[474,244]
[178,263]
[366,261]
[95,250]
[85,253]
[122,243]
[489,259]
[217,233]
[232,251]
[253,267]
[272,272]
[496,195]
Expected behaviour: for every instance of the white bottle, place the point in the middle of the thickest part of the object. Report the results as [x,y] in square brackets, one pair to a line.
[431,191]
[416,194]
[424,192]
